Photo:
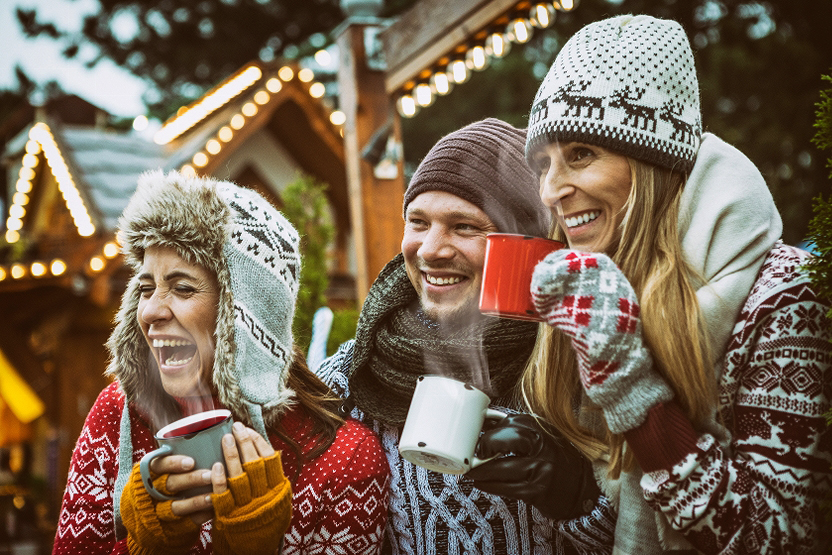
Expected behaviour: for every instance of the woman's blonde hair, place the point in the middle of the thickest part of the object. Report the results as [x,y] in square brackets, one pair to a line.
[649,253]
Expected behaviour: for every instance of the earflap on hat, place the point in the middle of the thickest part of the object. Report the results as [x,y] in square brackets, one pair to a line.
[263,265]
[627,83]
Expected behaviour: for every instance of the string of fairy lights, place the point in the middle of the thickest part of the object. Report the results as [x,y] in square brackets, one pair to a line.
[437,81]
[234,86]
[42,144]
[495,43]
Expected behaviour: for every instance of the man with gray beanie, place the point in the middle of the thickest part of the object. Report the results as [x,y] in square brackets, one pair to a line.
[421,317]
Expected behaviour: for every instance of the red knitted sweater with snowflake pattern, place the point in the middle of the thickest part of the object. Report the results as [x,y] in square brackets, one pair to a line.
[339,500]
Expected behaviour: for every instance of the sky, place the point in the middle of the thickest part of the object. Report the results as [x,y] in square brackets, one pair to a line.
[107,86]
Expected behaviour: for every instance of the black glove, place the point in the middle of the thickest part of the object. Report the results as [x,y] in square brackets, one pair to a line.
[548,473]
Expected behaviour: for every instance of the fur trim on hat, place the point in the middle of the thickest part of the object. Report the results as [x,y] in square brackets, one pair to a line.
[253,251]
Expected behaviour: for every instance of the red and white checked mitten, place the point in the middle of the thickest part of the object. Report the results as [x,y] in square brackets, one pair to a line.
[587,297]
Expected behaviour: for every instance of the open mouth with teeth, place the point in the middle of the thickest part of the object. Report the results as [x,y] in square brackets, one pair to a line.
[584,218]
[174,352]
[443,280]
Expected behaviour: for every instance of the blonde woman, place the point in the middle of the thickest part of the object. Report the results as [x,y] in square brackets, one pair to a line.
[685,354]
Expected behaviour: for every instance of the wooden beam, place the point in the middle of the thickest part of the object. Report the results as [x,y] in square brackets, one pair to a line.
[375,203]
[433,29]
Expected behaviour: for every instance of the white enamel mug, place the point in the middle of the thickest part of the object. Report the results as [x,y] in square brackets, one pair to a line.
[443,425]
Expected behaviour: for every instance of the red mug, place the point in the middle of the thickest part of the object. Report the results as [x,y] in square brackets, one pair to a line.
[510,260]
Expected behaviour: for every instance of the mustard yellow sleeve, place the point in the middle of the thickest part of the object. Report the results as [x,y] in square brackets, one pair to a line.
[252,516]
[152,528]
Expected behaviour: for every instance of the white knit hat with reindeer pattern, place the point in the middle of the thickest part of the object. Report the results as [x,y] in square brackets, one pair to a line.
[628,84]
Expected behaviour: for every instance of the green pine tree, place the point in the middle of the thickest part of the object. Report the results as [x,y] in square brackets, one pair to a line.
[305,206]
[820,227]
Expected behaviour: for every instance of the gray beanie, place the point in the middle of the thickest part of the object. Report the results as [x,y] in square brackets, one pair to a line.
[484,163]
[627,83]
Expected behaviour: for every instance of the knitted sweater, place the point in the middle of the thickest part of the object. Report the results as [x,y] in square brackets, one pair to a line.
[757,491]
[338,503]
[430,512]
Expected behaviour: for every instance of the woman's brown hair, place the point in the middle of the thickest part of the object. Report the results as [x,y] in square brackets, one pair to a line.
[321,405]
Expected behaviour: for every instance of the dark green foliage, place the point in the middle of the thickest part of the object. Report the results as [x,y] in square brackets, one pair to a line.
[820,233]
[305,205]
[820,228]
[343,329]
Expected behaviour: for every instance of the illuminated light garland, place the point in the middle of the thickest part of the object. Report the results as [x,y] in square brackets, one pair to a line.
[306,75]
[286,73]
[459,72]
[337,117]
[250,108]
[497,45]
[38,269]
[213,146]
[42,140]
[111,249]
[18,271]
[274,85]
[519,30]
[477,57]
[261,97]
[542,15]
[317,90]
[207,105]
[237,122]
[3,273]
[423,95]
[323,57]
[440,83]
[57,267]
[97,264]
[225,134]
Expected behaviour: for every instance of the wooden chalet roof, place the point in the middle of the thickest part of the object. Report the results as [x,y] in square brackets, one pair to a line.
[96,169]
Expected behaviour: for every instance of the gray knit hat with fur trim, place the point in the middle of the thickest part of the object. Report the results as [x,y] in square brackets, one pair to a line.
[627,83]
[252,250]
[484,163]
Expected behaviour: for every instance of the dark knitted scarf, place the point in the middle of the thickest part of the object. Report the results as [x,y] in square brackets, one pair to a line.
[395,344]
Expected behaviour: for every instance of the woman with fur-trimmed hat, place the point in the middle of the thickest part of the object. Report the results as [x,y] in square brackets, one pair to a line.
[686,353]
[206,323]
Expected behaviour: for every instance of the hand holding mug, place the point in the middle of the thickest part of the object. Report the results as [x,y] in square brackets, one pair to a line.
[587,297]
[253,505]
[539,467]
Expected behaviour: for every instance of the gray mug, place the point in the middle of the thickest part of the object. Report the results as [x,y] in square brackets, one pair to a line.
[198,436]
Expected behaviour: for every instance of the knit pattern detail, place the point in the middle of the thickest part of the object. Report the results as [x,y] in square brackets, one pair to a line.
[395,345]
[431,512]
[484,163]
[253,514]
[759,492]
[588,298]
[338,502]
[151,526]
[627,83]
